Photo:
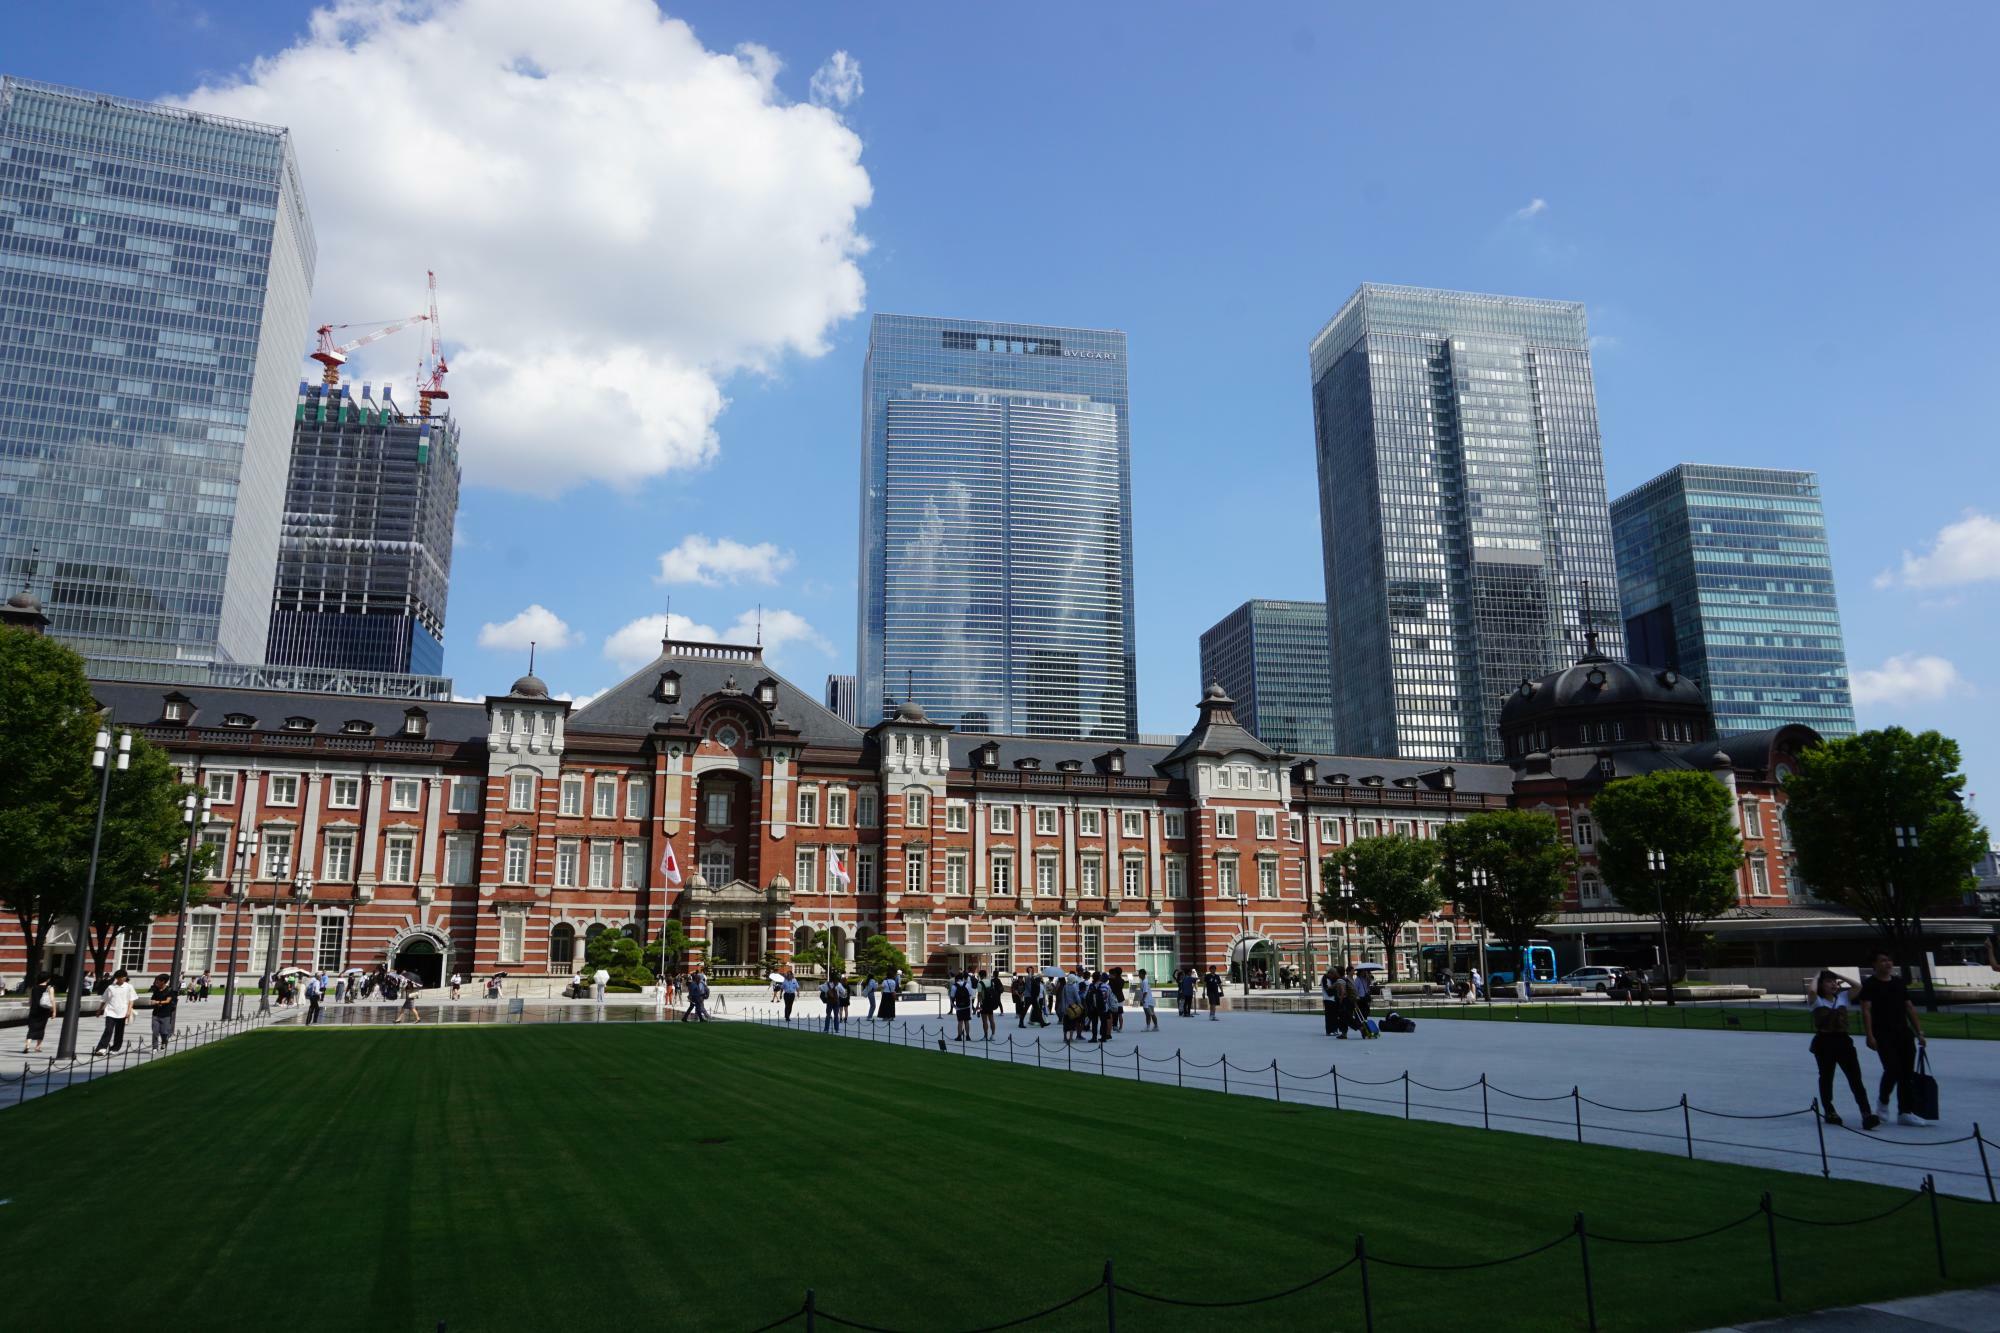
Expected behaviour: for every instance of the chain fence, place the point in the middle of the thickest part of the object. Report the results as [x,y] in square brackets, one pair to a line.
[57,1073]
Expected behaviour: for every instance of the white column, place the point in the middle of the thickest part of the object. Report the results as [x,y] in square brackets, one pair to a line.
[304,860]
[371,831]
[427,863]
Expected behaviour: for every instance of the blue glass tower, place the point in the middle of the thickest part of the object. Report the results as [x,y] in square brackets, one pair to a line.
[1270,657]
[155,265]
[1726,577]
[996,527]
[1462,512]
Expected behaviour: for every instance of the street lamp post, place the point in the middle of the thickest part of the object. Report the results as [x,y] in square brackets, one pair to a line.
[302,889]
[194,810]
[1485,936]
[1906,841]
[244,841]
[271,943]
[1243,941]
[100,759]
[1656,864]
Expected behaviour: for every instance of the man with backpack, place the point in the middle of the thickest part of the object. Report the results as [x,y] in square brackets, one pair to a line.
[989,1003]
[1184,991]
[315,993]
[960,994]
[697,993]
[1329,998]
[1212,986]
[832,994]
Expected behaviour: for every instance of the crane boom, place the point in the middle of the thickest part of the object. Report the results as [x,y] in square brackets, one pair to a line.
[431,387]
[333,356]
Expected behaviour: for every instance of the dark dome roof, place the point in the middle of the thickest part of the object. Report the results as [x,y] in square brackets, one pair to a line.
[531,686]
[1596,682]
[25,601]
[912,711]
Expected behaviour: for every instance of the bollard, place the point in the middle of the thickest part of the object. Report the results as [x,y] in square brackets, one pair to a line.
[1819,1123]
[1138,1070]
[1977,1138]
[1367,1303]
[1576,1100]
[1100,1059]
[1038,1052]
[1771,1233]
[1589,1292]
[1406,1094]
[1225,1073]
[1937,1224]
[1687,1125]
[1277,1093]
[1177,1068]
[1485,1118]
[1110,1300]
[1336,1087]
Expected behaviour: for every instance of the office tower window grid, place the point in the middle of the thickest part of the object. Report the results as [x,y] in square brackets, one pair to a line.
[155,265]
[1270,657]
[996,566]
[1725,575]
[1463,511]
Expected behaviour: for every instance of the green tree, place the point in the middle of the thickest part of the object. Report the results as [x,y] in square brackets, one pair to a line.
[1383,883]
[1507,869]
[1668,848]
[48,791]
[1844,807]
[879,957]
[618,954]
[144,852]
[814,956]
[668,953]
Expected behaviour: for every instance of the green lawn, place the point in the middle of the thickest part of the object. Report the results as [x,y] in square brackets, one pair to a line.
[701,1177]
[1717,1017]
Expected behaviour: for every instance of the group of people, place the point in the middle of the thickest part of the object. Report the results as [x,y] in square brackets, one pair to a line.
[1347,999]
[1892,1029]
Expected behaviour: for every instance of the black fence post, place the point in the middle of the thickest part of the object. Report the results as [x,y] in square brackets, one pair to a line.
[1937,1224]
[1819,1123]
[1100,1059]
[1978,1138]
[1138,1070]
[1485,1117]
[1687,1125]
[1225,1071]
[1367,1300]
[1771,1233]
[1110,1300]
[1038,1052]
[1576,1100]
[1277,1093]
[812,1321]
[1589,1292]
[1177,1068]
[1406,1094]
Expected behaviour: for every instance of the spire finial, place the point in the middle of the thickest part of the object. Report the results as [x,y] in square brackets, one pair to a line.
[1589,623]
[531,657]
[760,624]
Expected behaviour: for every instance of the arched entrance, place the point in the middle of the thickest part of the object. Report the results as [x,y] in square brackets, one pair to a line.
[1258,954]
[422,953]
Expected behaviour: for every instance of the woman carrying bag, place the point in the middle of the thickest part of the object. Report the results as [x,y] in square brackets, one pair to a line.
[41,1004]
[1832,1048]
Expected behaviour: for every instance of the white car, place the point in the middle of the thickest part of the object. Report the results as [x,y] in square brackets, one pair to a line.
[1593,978]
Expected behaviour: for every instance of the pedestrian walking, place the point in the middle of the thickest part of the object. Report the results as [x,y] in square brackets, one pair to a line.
[1896,1034]
[409,1009]
[41,1004]
[1147,1001]
[1364,987]
[1036,992]
[889,997]
[118,1004]
[164,999]
[697,993]
[1344,1015]
[872,989]
[456,982]
[1118,999]
[1329,1000]
[1478,983]
[1832,1048]
[598,981]
[1184,991]
[315,995]
[989,1003]
[833,995]
[788,991]
[1212,985]
[959,990]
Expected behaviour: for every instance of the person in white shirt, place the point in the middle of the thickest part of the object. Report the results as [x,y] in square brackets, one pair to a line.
[456,982]
[118,1005]
[1147,1001]
[598,981]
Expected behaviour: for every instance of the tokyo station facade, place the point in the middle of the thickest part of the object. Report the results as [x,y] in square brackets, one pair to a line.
[472,838]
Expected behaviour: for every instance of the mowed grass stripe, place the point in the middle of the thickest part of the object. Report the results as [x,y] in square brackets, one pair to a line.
[537,1177]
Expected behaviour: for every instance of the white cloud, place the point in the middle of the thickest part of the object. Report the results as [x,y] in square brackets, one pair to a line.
[780,629]
[620,218]
[1967,551]
[577,701]
[537,625]
[1534,208]
[637,642]
[714,561]
[837,82]
[1908,678]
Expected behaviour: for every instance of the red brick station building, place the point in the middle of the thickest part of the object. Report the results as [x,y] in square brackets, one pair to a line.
[468,837]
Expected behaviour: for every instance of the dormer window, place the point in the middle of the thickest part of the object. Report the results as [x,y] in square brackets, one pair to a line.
[354,726]
[241,720]
[177,708]
[1372,780]
[988,755]
[1070,765]
[1406,782]
[1308,772]
[416,722]
[1027,762]
[1339,780]
[298,724]
[767,692]
[670,687]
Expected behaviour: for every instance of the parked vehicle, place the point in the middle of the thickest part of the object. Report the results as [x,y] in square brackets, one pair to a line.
[1595,978]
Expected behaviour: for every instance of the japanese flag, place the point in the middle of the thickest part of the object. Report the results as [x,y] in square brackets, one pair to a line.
[836,867]
[669,867]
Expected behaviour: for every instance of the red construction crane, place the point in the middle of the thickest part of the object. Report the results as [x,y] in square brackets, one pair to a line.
[333,357]
[431,386]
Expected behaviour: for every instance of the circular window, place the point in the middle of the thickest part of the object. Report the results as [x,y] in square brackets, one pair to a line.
[727,735]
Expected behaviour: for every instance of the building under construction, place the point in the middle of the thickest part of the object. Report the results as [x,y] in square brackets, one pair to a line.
[364,561]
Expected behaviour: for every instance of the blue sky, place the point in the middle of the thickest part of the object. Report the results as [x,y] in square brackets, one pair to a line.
[1780,217]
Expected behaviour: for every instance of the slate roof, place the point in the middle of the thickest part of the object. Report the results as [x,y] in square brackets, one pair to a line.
[1475,779]
[631,708]
[1140,760]
[143,703]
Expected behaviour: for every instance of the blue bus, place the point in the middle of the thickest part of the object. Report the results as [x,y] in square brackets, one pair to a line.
[1505,960]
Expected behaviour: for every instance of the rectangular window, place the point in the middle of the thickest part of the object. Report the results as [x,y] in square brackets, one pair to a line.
[569,862]
[1364,828]
[1176,824]
[459,864]
[1225,823]
[1753,821]
[864,870]
[635,797]
[1003,947]
[836,807]
[570,798]
[330,950]
[1760,877]
[1590,890]
[1045,819]
[337,864]
[1267,824]
[344,794]
[919,947]
[218,860]
[954,933]
[914,880]
[132,948]
[513,934]
[808,805]
[1222,781]
[1093,948]
[1586,831]
[399,859]
[632,873]
[1092,878]
[1402,828]
[1267,877]
[1047,945]
[263,925]
[603,864]
[405,794]
[516,871]
[1225,876]
[718,809]
[1132,823]
[917,809]
[276,863]
[604,798]
[222,788]
[1263,779]
[954,873]
[1295,828]
[521,791]
[1176,870]
[1002,819]
[1329,832]
[283,789]
[1157,957]
[201,942]
[1045,874]
[1003,874]
[864,810]
[1135,877]
[465,796]
[718,865]
[805,870]
[1090,823]
[957,819]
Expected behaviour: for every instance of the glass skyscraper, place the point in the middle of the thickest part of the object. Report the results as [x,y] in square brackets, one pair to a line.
[1462,511]
[996,527]
[155,265]
[365,560]
[1270,657]
[1725,576]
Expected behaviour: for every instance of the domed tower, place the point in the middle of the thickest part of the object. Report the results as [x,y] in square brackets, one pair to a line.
[1603,707]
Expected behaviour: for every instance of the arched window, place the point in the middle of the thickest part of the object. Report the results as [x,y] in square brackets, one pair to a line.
[592,934]
[562,947]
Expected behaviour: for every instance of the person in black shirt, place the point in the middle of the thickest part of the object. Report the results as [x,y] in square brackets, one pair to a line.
[164,999]
[1895,1034]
